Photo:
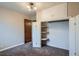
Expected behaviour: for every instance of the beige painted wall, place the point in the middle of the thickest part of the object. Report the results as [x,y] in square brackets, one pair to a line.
[54,13]
[11,28]
[73,8]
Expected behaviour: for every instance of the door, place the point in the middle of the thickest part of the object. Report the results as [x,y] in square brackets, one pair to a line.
[28,30]
[77,35]
[72,36]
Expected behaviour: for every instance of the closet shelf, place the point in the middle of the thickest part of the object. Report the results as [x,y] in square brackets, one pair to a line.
[44,32]
[58,20]
[44,39]
[44,26]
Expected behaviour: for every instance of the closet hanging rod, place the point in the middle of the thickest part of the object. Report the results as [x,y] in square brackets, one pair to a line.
[58,21]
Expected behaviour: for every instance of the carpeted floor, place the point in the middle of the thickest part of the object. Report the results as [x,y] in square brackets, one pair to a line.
[28,50]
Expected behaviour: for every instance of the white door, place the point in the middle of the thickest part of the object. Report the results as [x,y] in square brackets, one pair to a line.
[72,36]
[77,35]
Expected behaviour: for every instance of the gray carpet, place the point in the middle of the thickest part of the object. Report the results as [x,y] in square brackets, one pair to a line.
[28,50]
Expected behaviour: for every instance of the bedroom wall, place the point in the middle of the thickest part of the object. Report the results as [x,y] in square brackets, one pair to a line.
[11,28]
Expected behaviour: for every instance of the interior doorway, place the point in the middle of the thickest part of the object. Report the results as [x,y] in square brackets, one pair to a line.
[28,30]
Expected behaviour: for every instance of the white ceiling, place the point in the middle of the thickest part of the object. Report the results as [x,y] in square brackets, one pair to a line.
[44,5]
[21,6]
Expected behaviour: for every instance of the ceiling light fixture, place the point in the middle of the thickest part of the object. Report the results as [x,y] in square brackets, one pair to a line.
[31,6]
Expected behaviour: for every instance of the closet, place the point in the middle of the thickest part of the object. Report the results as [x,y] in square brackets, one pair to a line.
[64,34]
[58,34]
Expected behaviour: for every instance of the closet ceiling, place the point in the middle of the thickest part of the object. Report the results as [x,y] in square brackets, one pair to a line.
[21,6]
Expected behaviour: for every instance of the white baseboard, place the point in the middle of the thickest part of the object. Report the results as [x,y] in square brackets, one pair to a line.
[56,46]
[11,47]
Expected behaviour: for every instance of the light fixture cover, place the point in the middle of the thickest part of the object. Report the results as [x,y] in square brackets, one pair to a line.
[31,6]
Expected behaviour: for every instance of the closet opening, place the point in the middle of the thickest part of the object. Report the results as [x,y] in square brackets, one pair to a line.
[58,34]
